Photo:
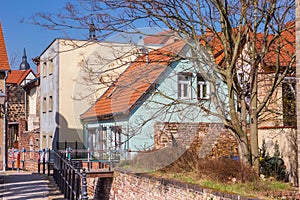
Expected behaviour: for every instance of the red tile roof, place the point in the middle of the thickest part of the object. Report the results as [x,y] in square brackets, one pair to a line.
[160,38]
[4,64]
[17,76]
[286,41]
[135,82]
[287,44]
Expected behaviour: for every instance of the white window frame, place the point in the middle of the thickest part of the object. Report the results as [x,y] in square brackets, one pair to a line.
[200,88]
[184,85]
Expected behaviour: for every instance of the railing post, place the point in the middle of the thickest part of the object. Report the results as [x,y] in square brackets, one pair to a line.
[44,161]
[84,194]
[76,148]
[39,162]
[23,160]
[89,159]
[77,183]
[18,160]
[13,158]
[48,162]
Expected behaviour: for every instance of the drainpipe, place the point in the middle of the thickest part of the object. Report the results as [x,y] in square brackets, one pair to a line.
[5,126]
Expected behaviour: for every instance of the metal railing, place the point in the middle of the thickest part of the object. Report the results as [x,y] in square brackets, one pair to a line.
[67,170]
[70,179]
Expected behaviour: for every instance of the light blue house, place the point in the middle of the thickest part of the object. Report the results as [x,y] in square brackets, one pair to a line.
[159,86]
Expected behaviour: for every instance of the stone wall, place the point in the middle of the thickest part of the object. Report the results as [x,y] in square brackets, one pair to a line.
[131,186]
[16,103]
[219,142]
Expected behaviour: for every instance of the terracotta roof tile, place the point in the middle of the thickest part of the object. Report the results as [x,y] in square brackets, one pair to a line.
[160,38]
[4,64]
[287,42]
[17,76]
[135,82]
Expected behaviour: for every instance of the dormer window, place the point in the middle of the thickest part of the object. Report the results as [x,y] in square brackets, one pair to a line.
[184,85]
[202,88]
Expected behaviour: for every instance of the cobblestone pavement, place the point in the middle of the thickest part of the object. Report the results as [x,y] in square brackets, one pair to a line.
[27,185]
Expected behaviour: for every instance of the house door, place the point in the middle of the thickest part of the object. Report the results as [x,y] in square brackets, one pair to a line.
[13,136]
[97,142]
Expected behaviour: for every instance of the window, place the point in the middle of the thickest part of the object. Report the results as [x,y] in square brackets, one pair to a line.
[44,109]
[50,67]
[202,88]
[102,142]
[184,85]
[50,106]
[44,69]
[289,104]
[44,140]
[116,142]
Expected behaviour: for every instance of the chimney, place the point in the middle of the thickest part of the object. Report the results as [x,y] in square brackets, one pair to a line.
[92,29]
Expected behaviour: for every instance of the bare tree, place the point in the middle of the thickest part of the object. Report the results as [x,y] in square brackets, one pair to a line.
[245,41]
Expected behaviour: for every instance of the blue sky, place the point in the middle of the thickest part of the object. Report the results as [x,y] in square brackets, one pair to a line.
[36,38]
[22,35]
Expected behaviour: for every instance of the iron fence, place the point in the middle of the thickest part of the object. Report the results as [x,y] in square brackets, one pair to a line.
[70,179]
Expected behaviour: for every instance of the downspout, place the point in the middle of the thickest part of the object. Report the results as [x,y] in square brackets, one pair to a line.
[4,125]
[25,99]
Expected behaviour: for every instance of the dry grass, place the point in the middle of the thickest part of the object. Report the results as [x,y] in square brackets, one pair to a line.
[225,174]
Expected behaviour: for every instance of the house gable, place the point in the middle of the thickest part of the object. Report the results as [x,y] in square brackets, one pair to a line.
[20,77]
[135,82]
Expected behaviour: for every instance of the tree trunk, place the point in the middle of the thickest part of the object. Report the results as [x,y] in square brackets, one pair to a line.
[254,159]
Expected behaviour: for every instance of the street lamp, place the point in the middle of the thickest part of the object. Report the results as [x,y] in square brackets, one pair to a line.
[2,103]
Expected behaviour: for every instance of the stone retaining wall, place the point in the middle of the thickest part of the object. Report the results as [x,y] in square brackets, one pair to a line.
[131,186]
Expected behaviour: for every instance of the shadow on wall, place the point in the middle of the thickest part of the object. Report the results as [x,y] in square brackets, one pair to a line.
[64,135]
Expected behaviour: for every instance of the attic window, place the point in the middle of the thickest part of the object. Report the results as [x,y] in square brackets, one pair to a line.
[202,87]
[184,85]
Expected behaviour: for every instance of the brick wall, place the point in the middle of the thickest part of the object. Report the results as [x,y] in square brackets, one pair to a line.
[29,141]
[131,186]
[298,80]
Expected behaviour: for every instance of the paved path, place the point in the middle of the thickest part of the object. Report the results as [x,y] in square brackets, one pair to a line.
[27,185]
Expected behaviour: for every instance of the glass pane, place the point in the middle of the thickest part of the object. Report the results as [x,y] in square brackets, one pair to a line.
[204,91]
[185,90]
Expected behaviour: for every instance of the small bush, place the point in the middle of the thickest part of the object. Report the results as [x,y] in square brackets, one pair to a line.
[225,170]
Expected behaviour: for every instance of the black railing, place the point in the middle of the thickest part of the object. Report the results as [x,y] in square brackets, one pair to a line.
[70,179]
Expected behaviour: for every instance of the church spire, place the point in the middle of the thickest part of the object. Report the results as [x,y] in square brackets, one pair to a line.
[24,64]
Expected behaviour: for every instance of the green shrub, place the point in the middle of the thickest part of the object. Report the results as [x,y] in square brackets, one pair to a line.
[272,166]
